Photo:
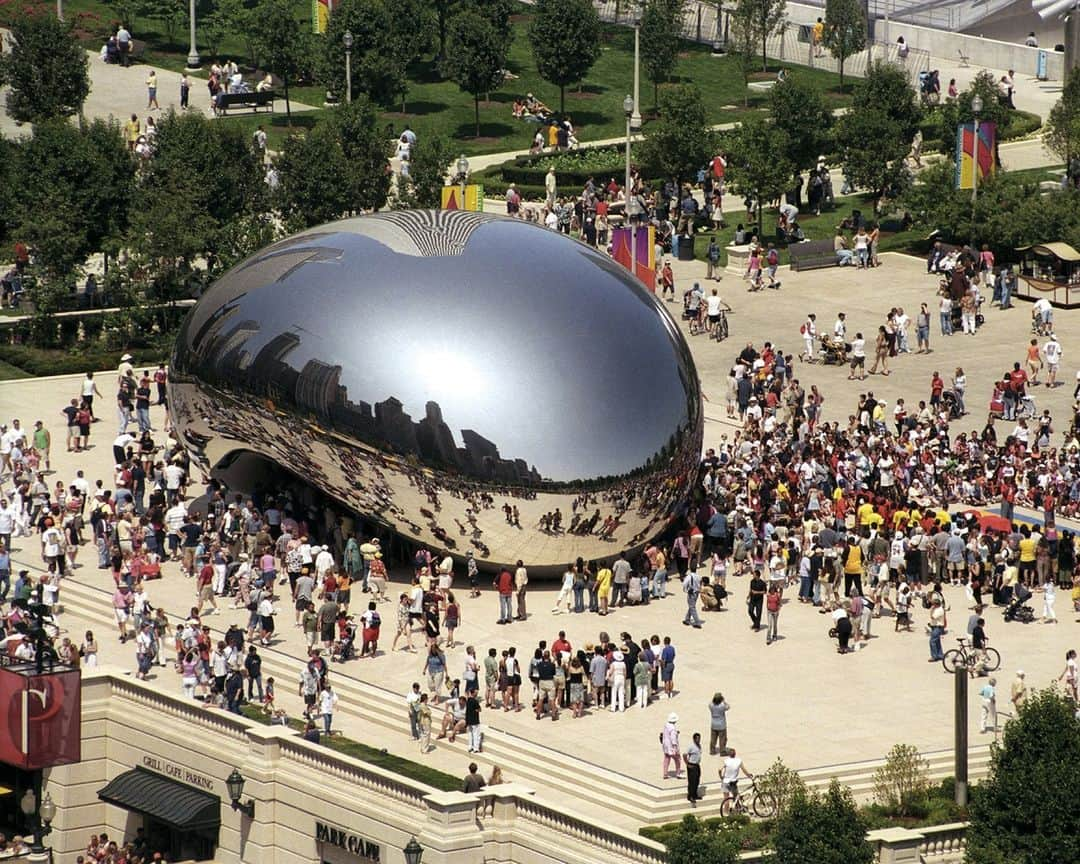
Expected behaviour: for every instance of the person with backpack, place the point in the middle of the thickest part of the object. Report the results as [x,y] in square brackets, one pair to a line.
[371,621]
[712,259]
[772,261]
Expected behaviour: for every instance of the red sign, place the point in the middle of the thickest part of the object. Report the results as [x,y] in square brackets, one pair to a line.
[41,716]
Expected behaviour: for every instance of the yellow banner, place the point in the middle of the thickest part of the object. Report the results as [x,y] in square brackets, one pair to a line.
[473,199]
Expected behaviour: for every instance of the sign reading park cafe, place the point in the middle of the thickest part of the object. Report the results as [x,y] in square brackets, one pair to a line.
[365,850]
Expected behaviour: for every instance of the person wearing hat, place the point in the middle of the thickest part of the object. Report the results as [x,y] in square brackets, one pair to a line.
[125,368]
[616,676]
[1018,692]
[669,741]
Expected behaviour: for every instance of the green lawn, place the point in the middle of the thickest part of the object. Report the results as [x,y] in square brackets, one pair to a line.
[12,373]
[440,107]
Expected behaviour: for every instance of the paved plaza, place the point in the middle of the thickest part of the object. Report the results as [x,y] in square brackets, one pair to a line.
[796,699]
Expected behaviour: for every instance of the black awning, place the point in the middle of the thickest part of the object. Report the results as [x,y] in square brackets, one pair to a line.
[174,803]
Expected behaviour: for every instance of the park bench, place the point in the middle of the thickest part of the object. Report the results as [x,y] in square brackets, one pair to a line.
[812,255]
[253,100]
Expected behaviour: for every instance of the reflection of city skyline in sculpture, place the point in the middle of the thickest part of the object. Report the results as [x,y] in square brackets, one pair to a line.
[251,348]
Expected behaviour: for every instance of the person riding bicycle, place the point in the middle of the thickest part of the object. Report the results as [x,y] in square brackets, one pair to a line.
[729,774]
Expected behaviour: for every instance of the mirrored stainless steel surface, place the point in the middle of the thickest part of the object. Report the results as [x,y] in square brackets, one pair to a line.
[434,370]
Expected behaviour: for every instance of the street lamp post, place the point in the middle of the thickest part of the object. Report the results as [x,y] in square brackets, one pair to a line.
[635,116]
[348,40]
[976,109]
[193,61]
[42,814]
[413,852]
[628,209]
[463,173]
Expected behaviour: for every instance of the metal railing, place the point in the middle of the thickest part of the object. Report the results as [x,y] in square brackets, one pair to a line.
[791,45]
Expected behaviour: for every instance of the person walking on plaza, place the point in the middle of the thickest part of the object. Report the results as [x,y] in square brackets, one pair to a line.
[718,709]
[521,584]
[988,715]
[423,723]
[328,700]
[881,353]
[1018,692]
[472,722]
[772,612]
[937,628]
[669,742]
[504,584]
[1052,352]
[151,91]
[692,588]
[693,769]
[756,599]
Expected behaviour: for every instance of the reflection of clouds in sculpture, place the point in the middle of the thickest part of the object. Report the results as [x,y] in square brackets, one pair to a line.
[546,379]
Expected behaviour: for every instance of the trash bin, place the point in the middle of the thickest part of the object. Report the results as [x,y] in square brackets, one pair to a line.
[686,247]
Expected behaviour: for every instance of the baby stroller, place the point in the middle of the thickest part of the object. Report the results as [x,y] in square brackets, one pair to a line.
[952,405]
[930,87]
[345,649]
[1025,408]
[1016,610]
[834,351]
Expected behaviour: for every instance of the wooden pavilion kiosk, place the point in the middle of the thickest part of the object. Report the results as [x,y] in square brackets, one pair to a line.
[1050,270]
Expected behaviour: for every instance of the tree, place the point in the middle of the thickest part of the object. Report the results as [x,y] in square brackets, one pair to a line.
[845,30]
[310,168]
[1026,811]
[887,88]
[76,186]
[874,137]
[427,174]
[1061,134]
[565,39]
[782,783]
[46,69]
[743,41]
[824,829]
[695,843]
[798,108]
[903,780]
[767,16]
[756,167]
[661,30]
[680,142]
[366,152]
[475,57]
[280,43]
[387,37]
[872,151]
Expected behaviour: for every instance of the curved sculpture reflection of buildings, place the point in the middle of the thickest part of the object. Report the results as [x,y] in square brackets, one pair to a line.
[436,371]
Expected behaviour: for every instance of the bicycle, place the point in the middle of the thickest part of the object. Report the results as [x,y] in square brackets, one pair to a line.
[719,331]
[961,658]
[750,800]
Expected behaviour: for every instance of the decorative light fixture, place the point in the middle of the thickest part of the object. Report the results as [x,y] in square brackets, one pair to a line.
[462,167]
[234,783]
[413,852]
[48,812]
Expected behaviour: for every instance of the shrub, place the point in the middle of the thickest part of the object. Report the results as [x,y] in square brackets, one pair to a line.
[903,782]
[782,783]
[823,829]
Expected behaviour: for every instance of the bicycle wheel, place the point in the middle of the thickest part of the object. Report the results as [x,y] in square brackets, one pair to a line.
[954,659]
[726,806]
[723,325]
[764,805]
[993,659]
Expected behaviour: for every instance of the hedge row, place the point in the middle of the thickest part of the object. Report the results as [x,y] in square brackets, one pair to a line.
[56,361]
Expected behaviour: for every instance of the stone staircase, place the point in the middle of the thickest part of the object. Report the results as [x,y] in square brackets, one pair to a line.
[626,798]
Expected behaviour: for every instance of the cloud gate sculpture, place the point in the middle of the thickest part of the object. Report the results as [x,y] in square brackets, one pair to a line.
[469,381]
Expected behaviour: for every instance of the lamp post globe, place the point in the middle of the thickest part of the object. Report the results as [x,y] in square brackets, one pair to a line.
[234,783]
[977,104]
[413,852]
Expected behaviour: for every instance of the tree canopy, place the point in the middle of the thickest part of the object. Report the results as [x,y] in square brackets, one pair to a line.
[1062,130]
[798,108]
[475,57]
[661,29]
[427,173]
[845,30]
[280,42]
[679,142]
[824,829]
[366,152]
[1027,810]
[46,68]
[565,39]
[762,18]
[756,165]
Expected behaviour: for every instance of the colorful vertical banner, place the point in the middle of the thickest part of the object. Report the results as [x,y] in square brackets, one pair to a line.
[473,199]
[320,15]
[966,153]
[646,252]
